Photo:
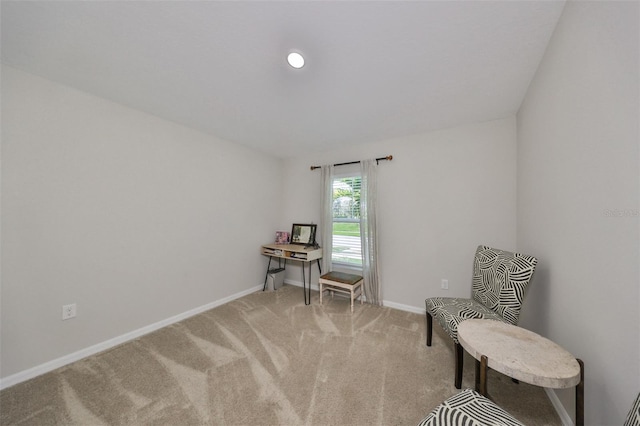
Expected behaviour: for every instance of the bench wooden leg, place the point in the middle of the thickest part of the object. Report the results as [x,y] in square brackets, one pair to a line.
[351,290]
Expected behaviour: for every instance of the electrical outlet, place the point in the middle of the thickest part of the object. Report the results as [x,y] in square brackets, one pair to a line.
[444,284]
[68,311]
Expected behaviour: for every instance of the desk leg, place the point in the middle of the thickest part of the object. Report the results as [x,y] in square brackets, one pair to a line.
[309,289]
[306,291]
[266,276]
[580,396]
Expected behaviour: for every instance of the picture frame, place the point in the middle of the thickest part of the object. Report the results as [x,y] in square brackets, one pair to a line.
[282,237]
[303,234]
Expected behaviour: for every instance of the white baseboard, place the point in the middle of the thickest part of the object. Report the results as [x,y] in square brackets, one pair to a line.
[92,350]
[299,284]
[555,401]
[403,307]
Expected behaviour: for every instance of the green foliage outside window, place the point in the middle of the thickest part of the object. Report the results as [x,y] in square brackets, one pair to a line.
[346,198]
[346,221]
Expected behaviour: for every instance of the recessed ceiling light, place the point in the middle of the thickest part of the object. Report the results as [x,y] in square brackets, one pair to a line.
[295,60]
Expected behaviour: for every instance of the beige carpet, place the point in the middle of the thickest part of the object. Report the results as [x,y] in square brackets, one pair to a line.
[266,359]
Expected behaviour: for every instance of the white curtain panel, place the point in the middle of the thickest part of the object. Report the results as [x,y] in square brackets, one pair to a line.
[369,231]
[326,220]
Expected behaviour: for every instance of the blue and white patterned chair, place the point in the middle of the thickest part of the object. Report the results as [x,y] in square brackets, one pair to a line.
[469,408]
[500,280]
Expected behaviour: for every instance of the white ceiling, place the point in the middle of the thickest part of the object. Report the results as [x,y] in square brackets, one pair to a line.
[374,69]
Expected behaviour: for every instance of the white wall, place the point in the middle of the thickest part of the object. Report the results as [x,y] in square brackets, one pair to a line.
[578,200]
[124,214]
[133,218]
[444,193]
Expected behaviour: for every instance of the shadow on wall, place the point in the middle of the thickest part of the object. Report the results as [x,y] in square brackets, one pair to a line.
[537,301]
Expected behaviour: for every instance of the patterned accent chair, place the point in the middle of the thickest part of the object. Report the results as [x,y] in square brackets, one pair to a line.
[500,280]
[633,418]
[469,408]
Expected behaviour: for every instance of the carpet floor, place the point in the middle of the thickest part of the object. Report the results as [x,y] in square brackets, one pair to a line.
[268,359]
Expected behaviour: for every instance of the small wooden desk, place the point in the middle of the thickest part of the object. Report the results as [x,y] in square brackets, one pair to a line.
[296,252]
[523,355]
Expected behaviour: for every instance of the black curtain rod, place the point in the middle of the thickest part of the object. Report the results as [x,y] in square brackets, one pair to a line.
[388,157]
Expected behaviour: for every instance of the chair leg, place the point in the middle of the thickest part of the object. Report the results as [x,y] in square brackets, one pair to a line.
[459,364]
[429,328]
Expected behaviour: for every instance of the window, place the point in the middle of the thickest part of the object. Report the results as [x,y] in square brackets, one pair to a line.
[347,249]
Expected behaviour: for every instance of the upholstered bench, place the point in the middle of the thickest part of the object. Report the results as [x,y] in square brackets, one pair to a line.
[341,282]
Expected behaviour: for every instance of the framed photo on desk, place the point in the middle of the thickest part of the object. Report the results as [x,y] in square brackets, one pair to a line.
[282,237]
[304,234]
